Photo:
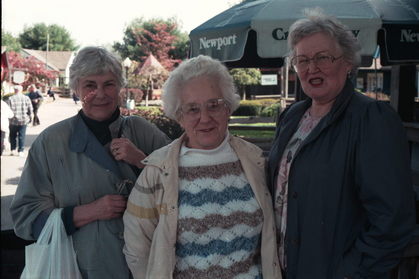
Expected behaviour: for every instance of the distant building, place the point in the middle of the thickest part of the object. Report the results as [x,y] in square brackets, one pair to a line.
[55,60]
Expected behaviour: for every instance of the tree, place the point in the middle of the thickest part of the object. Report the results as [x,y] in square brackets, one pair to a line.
[243,77]
[159,37]
[181,47]
[8,40]
[36,73]
[35,37]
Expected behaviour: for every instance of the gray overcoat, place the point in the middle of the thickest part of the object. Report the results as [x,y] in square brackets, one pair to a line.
[67,166]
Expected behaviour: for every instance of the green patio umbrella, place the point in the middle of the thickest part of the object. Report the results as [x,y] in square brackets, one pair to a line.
[254,33]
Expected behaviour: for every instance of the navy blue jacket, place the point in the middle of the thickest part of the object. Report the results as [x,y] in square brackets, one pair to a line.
[351,205]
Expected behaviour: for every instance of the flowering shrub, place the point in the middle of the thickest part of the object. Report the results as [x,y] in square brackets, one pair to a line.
[156,116]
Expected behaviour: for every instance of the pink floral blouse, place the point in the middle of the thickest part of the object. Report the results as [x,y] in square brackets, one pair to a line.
[305,127]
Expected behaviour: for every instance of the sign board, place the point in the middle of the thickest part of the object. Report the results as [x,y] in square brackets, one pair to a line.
[269,80]
[18,77]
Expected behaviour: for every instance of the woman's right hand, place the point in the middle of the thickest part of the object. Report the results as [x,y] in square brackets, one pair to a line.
[104,208]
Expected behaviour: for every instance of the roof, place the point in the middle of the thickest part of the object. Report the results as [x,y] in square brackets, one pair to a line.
[151,61]
[58,60]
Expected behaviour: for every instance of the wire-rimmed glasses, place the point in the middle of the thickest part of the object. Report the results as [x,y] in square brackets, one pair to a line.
[321,60]
[192,111]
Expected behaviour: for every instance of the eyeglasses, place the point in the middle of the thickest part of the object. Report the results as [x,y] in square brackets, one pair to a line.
[320,60]
[193,110]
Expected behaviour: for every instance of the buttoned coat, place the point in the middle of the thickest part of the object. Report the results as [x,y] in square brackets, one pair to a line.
[350,197]
[67,166]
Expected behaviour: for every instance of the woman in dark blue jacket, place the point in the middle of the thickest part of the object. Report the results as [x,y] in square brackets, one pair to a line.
[339,166]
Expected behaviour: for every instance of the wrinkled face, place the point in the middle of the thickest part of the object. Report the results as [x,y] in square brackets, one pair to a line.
[99,95]
[324,81]
[204,115]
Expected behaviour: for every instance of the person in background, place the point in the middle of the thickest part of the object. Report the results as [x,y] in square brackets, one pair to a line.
[6,114]
[75,98]
[339,167]
[201,208]
[36,99]
[89,170]
[51,93]
[22,109]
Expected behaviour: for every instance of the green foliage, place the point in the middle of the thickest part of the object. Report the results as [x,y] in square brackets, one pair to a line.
[181,47]
[156,116]
[264,107]
[35,37]
[246,76]
[248,110]
[271,111]
[9,41]
[243,77]
[160,37]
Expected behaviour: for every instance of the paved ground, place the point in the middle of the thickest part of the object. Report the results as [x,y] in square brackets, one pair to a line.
[49,113]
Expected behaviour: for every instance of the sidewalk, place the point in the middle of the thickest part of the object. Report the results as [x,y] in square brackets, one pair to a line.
[49,113]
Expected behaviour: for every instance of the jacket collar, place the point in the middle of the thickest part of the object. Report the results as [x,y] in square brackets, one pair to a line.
[338,108]
[169,155]
[82,140]
[293,115]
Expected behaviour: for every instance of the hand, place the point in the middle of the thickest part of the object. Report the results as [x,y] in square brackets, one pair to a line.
[109,207]
[104,208]
[122,149]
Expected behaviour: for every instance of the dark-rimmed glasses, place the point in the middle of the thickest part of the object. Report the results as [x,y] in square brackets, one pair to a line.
[192,111]
[321,60]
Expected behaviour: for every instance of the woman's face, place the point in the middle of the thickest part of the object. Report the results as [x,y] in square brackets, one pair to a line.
[321,82]
[204,115]
[99,95]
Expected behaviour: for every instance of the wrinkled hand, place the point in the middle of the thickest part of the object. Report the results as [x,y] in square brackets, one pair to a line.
[122,149]
[109,207]
[104,208]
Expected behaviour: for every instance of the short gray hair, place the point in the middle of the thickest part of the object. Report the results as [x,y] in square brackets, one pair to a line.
[316,21]
[200,66]
[95,61]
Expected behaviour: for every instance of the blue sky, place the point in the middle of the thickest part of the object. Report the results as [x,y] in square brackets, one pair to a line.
[102,22]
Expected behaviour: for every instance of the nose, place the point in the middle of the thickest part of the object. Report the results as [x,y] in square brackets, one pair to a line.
[100,92]
[312,66]
[204,116]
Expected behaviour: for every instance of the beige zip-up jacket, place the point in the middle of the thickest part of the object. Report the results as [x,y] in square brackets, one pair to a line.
[150,221]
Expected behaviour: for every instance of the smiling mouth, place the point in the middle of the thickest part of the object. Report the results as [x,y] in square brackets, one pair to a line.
[316,81]
[206,130]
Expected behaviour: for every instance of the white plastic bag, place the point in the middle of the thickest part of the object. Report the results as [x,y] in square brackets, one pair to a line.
[52,256]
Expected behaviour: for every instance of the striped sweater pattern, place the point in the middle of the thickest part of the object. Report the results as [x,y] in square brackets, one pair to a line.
[220,221]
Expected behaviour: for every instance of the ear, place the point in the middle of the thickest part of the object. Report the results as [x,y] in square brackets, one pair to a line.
[180,122]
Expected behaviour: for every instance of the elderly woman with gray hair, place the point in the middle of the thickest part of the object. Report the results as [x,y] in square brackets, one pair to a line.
[201,208]
[339,167]
[87,165]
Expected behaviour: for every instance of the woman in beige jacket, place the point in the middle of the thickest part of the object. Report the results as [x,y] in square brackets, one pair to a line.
[201,208]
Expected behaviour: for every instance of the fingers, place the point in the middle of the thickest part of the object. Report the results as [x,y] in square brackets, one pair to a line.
[111,206]
[121,148]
